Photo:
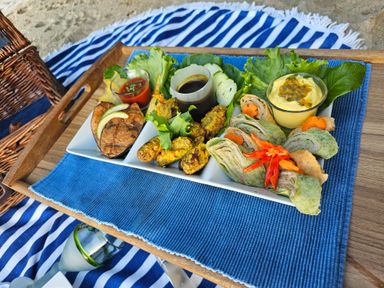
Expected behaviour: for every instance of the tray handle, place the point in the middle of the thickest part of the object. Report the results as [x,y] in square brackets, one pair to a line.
[61,115]
[74,106]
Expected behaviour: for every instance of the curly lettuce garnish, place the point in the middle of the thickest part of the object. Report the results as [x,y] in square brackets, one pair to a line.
[163,129]
[158,65]
[172,128]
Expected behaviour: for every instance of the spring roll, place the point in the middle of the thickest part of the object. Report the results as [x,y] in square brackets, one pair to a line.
[230,158]
[247,145]
[303,191]
[262,111]
[318,142]
[261,128]
[329,125]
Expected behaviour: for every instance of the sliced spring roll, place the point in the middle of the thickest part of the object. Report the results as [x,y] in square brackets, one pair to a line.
[263,110]
[328,121]
[303,191]
[247,144]
[230,158]
[317,141]
[261,128]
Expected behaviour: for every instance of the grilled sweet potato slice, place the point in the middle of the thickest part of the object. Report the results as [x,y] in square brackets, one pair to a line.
[118,134]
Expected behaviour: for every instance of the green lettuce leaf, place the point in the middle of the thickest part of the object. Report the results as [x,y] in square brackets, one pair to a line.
[342,79]
[181,123]
[310,67]
[163,128]
[271,67]
[201,59]
[174,127]
[165,140]
[254,85]
[110,72]
[233,73]
[157,65]
[165,89]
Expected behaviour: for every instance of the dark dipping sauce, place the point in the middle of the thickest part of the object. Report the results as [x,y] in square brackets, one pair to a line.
[190,85]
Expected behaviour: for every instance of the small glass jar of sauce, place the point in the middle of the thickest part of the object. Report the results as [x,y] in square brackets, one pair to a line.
[193,85]
[295,97]
[134,89]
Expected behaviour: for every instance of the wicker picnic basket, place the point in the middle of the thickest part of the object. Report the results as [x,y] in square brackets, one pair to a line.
[24,79]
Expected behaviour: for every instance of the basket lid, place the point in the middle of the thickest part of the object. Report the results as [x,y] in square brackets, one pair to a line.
[11,40]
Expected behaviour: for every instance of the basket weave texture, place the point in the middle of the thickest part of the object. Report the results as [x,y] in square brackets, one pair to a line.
[11,40]
[24,79]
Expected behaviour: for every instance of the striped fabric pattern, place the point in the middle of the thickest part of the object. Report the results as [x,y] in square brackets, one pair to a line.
[32,235]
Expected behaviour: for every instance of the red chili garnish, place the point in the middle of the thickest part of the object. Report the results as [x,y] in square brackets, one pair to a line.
[255,165]
[271,154]
[261,143]
[258,154]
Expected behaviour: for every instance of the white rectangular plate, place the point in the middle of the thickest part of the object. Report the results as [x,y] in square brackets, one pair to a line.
[83,144]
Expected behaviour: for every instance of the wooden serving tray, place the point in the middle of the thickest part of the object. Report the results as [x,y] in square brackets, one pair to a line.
[365,256]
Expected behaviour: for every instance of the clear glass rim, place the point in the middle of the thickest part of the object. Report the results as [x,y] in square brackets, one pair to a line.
[317,80]
[141,71]
[86,256]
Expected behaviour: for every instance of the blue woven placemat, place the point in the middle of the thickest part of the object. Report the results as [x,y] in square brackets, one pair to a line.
[251,240]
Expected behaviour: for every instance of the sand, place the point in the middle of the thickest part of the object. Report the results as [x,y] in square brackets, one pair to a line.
[50,24]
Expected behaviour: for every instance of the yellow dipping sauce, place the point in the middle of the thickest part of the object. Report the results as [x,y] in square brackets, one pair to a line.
[294,98]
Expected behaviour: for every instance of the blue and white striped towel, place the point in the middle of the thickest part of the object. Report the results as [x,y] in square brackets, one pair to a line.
[32,235]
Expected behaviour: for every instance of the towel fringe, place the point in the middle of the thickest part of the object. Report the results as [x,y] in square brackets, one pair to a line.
[312,20]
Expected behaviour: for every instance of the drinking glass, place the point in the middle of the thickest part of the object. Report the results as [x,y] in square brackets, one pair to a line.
[86,249]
